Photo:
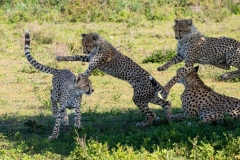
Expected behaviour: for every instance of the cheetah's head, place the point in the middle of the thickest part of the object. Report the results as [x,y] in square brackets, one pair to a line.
[90,42]
[182,28]
[190,78]
[83,85]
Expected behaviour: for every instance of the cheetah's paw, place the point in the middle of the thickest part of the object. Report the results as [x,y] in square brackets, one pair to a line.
[161,68]
[60,58]
[147,122]
[52,137]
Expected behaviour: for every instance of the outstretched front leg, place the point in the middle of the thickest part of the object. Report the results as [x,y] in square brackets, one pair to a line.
[98,60]
[181,73]
[83,58]
[177,59]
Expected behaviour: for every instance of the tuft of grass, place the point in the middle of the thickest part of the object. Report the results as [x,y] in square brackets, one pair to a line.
[27,68]
[159,56]
[33,126]
[97,72]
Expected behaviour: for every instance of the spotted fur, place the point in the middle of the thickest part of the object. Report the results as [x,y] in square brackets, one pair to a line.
[200,100]
[109,60]
[67,90]
[193,47]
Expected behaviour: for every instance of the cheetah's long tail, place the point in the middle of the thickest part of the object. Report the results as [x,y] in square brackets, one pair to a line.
[32,61]
[158,87]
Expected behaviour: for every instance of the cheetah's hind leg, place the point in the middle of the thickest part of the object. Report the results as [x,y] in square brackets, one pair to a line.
[54,104]
[143,106]
[166,105]
[222,66]
[147,122]
[232,59]
[209,117]
[230,75]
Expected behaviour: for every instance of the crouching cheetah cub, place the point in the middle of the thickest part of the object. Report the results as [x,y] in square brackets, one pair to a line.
[193,47]
[200,100]
[67,90]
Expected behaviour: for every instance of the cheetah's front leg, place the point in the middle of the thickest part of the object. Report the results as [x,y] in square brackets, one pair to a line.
[64,119]
[178,58]
[77,115]
[57,123]
[182,73]
[83,58]
[178,117]
[97,61]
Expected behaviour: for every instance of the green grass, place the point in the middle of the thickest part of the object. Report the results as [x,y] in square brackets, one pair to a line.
[108,115]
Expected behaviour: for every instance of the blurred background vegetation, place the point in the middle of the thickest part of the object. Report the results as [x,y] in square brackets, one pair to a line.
[58,11]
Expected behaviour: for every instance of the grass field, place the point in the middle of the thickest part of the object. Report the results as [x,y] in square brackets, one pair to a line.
[108,115]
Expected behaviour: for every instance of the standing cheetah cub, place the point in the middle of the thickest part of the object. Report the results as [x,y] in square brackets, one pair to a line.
[67,90]
[193,47]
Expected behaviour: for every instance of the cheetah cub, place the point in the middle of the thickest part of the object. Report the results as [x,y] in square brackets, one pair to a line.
[67,90]
[200,100]
[111,61]
[193,47]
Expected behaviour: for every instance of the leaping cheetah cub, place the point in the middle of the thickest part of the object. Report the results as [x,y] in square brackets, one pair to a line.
[109,60]
[193,47]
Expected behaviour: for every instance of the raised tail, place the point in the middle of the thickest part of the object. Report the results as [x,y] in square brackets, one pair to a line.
[158,87]
[32,61]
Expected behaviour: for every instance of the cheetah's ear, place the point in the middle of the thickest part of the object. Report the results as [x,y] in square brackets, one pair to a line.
[79,77]
[83,34]
[95,36]
[196,68]
[176,21]
[190,22]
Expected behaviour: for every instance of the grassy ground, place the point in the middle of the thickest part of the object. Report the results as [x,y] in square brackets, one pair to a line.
[109,115]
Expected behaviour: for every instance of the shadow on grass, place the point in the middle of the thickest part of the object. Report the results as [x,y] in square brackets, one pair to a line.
[114,128]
